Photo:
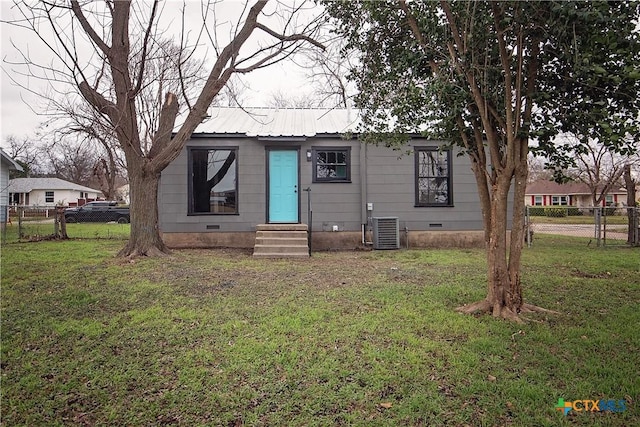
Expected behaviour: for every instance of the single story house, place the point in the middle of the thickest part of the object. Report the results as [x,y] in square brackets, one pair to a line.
[6,164]
[244,172]
[48,192]
[578,194]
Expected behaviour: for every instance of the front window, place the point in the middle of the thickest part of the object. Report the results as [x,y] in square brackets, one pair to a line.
[538,201]
[48,197]
[560,200]
[433,177]
[213,185]
[608,199]
[331,164]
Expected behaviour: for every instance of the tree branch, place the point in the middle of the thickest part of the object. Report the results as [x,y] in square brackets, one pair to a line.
[216,81]
[417,34]
[167,117]
[99,102]
[505,60]
[290,38]
[77,10]
[145,43]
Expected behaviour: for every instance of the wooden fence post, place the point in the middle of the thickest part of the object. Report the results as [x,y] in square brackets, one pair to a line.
[63,224]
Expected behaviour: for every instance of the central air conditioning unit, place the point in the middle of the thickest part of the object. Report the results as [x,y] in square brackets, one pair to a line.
[386,233]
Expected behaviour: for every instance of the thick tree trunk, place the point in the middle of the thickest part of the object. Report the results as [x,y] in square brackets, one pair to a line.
[504,292]
[485,197]
[500,292]
[503,299]
[517,236]
[128,80]
[145,237]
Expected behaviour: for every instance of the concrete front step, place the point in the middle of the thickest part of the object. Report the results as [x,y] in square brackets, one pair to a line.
[282,227]
[282,248]
[281,241]
[281,255]
[261,249]
[284,251]
[282,234]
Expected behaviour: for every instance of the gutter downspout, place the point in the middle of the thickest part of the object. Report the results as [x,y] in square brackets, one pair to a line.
[364,192]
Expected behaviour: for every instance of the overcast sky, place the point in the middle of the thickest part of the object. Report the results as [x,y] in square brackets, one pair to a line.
[19,119]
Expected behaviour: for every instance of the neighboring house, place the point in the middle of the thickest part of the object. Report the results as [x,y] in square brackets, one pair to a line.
[122,193]
[48,192]
[6,164]
[239,171]
[578,194]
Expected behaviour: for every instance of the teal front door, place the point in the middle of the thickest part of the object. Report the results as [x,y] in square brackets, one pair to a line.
[283,186]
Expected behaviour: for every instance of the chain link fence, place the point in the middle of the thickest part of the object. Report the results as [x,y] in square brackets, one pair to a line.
[606,226]
[602,226]
[32,223]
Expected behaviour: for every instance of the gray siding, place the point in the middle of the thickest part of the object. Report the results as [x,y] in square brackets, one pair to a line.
[391,189]
[4,190]
[333,203]
[389,183]
[173,191]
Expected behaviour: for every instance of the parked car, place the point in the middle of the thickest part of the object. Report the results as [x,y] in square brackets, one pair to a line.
[101,211]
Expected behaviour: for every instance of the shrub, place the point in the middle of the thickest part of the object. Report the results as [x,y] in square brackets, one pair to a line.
[536,211]
[573,211]
[556,212]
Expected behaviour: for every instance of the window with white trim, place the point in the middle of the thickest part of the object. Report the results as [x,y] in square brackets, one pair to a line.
[560,200]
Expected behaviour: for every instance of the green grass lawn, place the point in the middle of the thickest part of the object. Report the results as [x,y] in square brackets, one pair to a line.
[215,337]
[38,229]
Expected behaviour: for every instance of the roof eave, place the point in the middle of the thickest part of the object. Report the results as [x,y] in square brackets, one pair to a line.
[13,165]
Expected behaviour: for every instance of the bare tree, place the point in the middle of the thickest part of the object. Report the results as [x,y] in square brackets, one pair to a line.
[600,168]
[328,73]
[280,99]
[70,160]
[27,153]
[232,95]
[114,74]
[537,169]
[71,115]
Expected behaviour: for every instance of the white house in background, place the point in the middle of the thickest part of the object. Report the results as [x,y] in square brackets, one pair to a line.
[6,164]
[48,192]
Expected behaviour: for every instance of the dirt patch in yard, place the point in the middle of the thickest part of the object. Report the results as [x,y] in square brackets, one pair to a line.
[225,271]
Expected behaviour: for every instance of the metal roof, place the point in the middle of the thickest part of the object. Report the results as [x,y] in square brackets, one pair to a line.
[26,185]
[280,122]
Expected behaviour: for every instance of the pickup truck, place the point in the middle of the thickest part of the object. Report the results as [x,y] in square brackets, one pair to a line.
[101,211]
